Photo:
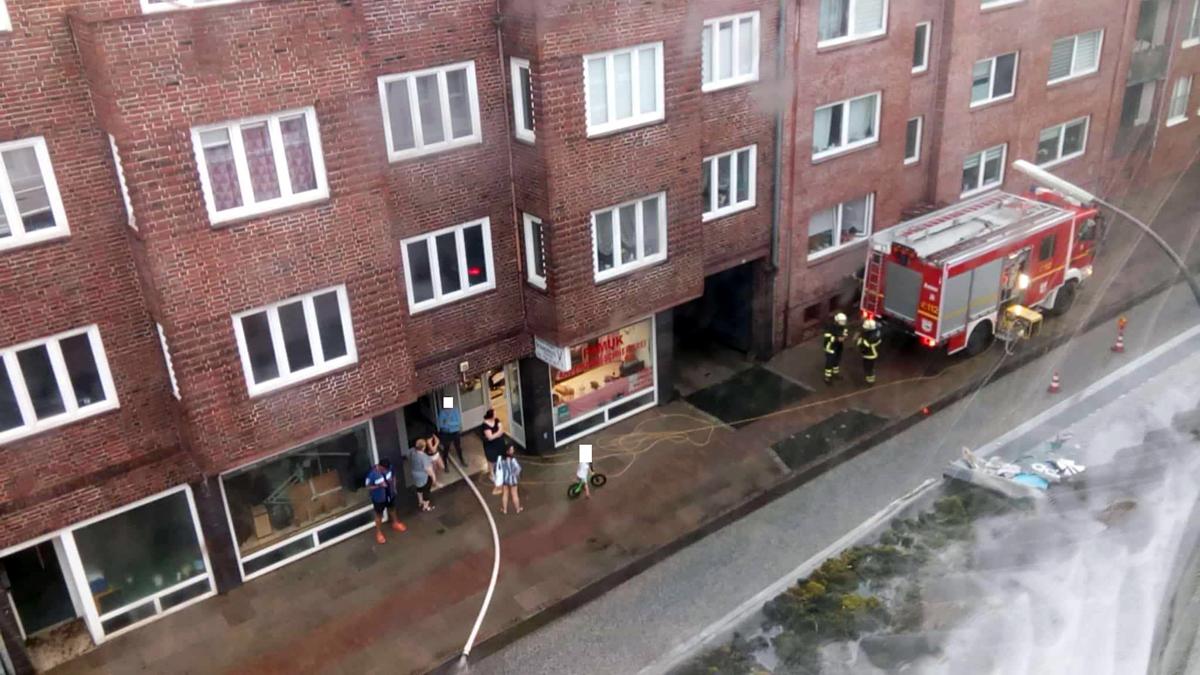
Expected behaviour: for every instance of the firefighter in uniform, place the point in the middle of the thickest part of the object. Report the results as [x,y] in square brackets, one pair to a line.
[835,337]
[868,346]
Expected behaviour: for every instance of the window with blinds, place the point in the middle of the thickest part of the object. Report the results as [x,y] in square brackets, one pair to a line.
[1075,56]
[848,20]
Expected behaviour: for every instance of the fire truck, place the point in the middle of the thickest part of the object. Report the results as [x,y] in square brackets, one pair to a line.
[980,269]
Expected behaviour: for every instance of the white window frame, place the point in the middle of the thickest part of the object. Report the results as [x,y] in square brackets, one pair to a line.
[851,35]
[638,118]
[420,148]
[129,217]
[166,351]
[5,23]
[531,275]
[837,230]
[1073,74]
[8,200]
[286,198]
[172,5]
[984,187]
[1191,33]
[72,411]
[992,80]
[994,4]
[516,65]
[1062,136]
[845,147]
[925,50]
[733,206]
[288,377]
[1172,120]
[713,26]
[909,161]
[620,268]
[465,289]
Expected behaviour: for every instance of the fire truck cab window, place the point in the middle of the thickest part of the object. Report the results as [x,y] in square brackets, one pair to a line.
[1046,251]
[1087,231]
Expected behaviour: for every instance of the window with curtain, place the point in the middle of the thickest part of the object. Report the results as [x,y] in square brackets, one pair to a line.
[31,208]
[629,236]
[623,88]
[841,225]
[729,51]
[846,20]
[431,110]
[1177,111]
[1192,34]
[727,182]
[1062,142]
[448,265]
[255,166]
[845,125]
[1075,56]
[535,251]
[993,79]
[983,170]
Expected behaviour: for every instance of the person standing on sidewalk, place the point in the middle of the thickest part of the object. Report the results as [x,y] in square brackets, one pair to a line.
[449,423]
[868,346]
[508,475]
[834,339]
[381,483]
[493,445]
[421,470]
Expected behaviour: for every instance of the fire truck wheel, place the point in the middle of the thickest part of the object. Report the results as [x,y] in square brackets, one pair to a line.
[981,338]
[1064,298]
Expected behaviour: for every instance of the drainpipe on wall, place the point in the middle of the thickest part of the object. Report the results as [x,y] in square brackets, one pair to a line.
[518,225]
[777,160]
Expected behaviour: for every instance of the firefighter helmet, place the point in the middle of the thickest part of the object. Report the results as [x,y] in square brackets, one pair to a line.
[869,324]
[839,319]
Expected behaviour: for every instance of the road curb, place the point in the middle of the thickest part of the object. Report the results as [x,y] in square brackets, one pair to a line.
[790,482]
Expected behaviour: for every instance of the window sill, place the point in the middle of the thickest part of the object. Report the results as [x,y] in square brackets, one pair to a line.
[981,190]
[1189,43]
[427,305]
[824,155]
[834,250]
[609,275]
[978,105]
[727,211]
[729,83]
[343,363]
[537,282]
[11,243]
[159,8]
[1176,120]
[527,137]
[919,71]
[60,420]
[834,43]
[241,214]
[474,139]
[1071,78]
[1060,160]
[990,6]
[912,161]
[609,129]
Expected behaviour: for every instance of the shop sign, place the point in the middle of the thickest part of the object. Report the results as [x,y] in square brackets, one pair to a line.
[558,357]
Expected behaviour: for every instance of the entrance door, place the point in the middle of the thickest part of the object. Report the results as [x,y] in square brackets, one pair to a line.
[38,589]
[473,401]
[516,407]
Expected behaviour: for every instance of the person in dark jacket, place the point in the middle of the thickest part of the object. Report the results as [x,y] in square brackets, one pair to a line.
[833,341]
[868,346]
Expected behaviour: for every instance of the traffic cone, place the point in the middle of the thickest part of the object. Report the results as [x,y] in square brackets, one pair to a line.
[1055,384]
[1119,346]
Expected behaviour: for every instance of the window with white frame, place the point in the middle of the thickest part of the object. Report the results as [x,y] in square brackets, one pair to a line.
[840,226]
[431,110]
[1177,110]
[845,125]
[53,381]
[535,250]
[448,265]
[166,351]
[630,235]
[920,61]
[993,79]
[987,4]
[1062,142]
[847,20]
[5,24]
[1191,36]
[727,182]
[623,88]
[31,209]
[729,51]
[261,164]
[1075,56]
[522,97]
[295,339]
[129,218]
[983,170]
[151,6]
[912,140]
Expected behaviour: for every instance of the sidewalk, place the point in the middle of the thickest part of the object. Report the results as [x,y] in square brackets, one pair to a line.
[407,606]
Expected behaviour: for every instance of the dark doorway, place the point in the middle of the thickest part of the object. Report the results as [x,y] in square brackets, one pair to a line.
[724,313]
[39,590]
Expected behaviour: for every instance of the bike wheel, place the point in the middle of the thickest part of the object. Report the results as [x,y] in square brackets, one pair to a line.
[575,490]
[599,479]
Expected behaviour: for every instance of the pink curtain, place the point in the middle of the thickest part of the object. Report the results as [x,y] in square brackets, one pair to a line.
[222,175]
[261,161]
[298,153]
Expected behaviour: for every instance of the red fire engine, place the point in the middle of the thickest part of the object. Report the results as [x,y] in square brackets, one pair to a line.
[962,275]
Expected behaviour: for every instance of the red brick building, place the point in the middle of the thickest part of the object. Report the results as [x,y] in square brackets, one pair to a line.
[249,248]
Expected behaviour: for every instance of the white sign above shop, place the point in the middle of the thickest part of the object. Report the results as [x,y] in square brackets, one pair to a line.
[558,357]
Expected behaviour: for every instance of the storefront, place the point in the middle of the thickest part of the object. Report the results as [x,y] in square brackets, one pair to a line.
[292,504]
[612,376]
[114,572]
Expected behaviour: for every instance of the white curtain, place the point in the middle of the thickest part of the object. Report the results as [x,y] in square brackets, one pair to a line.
[597,91]
[833,19]
[868,16]
[862,119]
[822,126]
[648,79]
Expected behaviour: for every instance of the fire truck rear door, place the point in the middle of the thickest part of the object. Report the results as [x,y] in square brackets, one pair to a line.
[902,290]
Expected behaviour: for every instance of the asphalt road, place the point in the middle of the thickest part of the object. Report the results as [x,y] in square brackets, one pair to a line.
[644,624]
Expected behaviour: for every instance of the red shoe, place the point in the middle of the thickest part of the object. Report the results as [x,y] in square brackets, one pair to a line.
[379,538]
[398,526]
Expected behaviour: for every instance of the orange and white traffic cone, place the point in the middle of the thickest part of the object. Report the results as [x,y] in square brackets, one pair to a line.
[1119,346]
[1055,384]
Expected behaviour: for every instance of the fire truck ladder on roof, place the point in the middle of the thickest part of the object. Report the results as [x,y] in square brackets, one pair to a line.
[873,297]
